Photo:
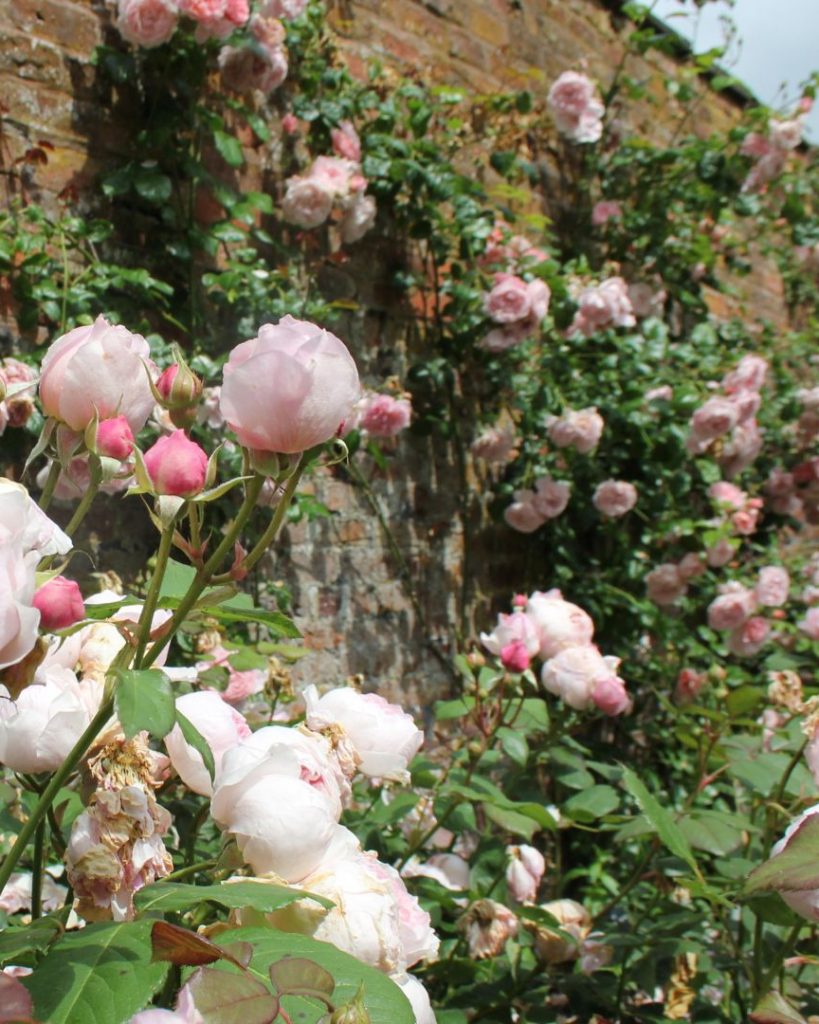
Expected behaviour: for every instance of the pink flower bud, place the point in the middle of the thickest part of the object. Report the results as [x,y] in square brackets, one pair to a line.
[290,124]
[179,386]
[177,465]
[115,438]
[610,697]
[515,656]
[60,604]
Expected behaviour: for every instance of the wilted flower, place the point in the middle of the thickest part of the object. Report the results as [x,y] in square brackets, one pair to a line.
[487,926]
[554,947]
[524,871]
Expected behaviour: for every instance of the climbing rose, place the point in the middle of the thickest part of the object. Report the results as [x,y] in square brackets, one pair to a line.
[222,728]
[614,498]
[665,585]
[307,202]
[749,638]
[147,23]
[772,586]
[604,211]
[384,415]
[734,605]
[576,108]
[358,218]
[574,674]
[580,429]
[509,300]
[551,497]
[346,142]
[558,623]
[290,388]
[604,305]
[97,370]
[514,640]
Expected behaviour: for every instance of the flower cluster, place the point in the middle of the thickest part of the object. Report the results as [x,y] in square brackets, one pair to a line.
[560,633]
[150,23]
[576,107]
[726,424]
[733,610]
[607,304]
[509,253]
[517,307]
[770,152]
[333,182]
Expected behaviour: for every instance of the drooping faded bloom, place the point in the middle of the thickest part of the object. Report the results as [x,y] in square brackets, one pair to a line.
[487,925]
[116,844]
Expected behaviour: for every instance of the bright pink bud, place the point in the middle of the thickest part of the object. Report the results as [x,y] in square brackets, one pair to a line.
[520,601]
[290,124]
[60,604]
[164,382]
[177,465]
[515,656]
[609,695]
[115,438]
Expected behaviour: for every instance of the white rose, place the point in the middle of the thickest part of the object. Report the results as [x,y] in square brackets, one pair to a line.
[558,623]
[222,728]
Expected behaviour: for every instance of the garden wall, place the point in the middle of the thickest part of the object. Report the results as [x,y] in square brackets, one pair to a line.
[356,614]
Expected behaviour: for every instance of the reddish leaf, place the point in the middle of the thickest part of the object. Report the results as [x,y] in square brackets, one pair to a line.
[185,948]
[224,998]
[15,1001]
[296,975]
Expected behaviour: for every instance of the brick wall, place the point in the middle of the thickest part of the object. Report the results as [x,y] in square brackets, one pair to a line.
[356,614]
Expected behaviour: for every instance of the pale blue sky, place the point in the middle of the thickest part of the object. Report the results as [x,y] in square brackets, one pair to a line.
[776,48]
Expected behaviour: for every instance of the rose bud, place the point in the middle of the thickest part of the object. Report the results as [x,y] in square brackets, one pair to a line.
[177,465]
[60,604]
[115,438]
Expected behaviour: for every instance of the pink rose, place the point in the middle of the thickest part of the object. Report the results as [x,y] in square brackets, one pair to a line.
[614,498]
[558,623]
[385,416]
[177,465]
[713,419]
[19,619]
[581,429]
[509,300]
[244,68]
[604,211]
[338,177]
[748,375]
[772,586]
[283,8]
[307,202]
[809,624]
[731,609]
[146,23]
[576,108]
[358,218]
[610,696]
[97,370]
[222,728]
[514,640]
[575,673]
[741,449]
[665,585]
[727,495]
[346,142]
[720,553]
[385,738]
[501,338]
[662,393]
[551,497]
[539,297]
[689,684]
[115,439]
[522,515]
[289,389]
[745,521]
[60,604]
[290,124]
[604,305]
[749,638]
[691,565]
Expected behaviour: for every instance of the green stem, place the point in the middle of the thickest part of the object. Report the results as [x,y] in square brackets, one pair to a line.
[37,871]
[191,869]
[56,833]
[152,597]
[88,497]
[53,787]
[787,944]
[269,535]
[50,484]
[203,576]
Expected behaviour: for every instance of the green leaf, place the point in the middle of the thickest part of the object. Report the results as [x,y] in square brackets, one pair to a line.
[793,869]
[229,147]
[15,942]
[448,709]
[773,1008]
[711,831]
[514,745]
[174,896]
[592,803]
[99,975]
[666,828]
[198,742]
[143,699]
[152,185]
[384,1001]
[511,821]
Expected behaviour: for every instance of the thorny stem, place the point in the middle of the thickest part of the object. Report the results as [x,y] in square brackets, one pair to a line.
[204,574]
[88,497]
[50,484]
[152,597]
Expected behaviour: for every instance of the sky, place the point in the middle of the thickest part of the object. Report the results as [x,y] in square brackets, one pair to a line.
[776,46]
